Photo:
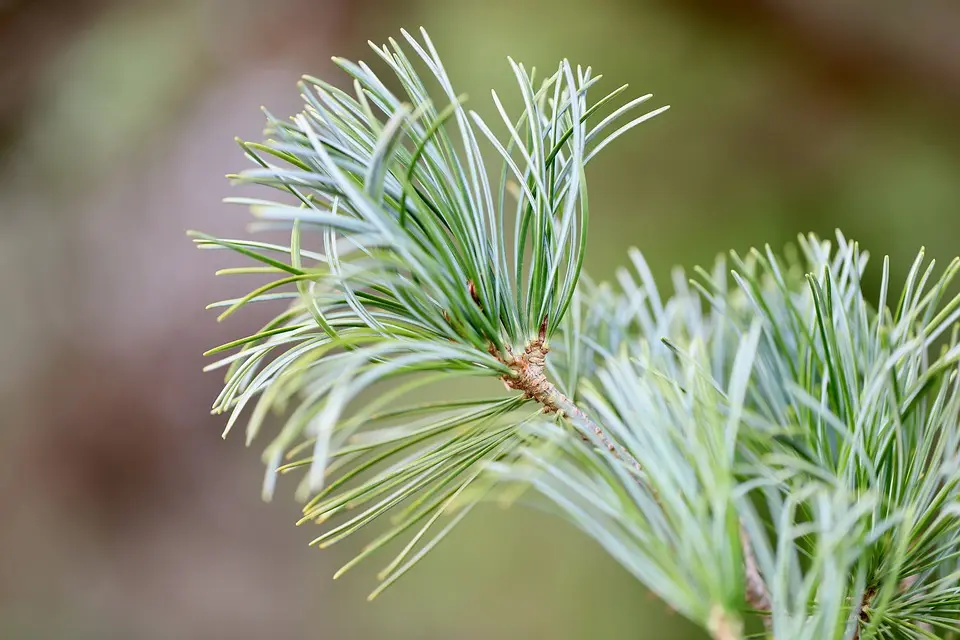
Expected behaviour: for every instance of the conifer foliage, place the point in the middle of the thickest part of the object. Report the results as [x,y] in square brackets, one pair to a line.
[766,441]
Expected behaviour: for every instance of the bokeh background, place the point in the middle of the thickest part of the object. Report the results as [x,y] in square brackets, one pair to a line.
[122,513]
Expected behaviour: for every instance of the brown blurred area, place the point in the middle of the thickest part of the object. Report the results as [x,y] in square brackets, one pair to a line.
[122,512]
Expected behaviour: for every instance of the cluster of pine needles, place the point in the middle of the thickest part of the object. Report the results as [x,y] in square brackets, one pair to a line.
[766,442]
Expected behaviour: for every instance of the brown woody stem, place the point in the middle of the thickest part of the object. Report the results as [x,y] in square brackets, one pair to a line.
[530,377]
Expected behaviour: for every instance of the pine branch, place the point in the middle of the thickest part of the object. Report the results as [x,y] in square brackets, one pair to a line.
[764,438]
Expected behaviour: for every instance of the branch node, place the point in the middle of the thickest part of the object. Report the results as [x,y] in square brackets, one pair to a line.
[530,375]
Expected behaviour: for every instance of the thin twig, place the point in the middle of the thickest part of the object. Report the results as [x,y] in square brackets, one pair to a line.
[863,616]
[757,595]
[530,377]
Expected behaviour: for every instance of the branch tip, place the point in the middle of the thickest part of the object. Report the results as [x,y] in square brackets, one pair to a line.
[723,626]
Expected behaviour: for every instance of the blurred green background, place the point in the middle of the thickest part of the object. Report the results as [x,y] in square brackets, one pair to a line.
[123,514]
